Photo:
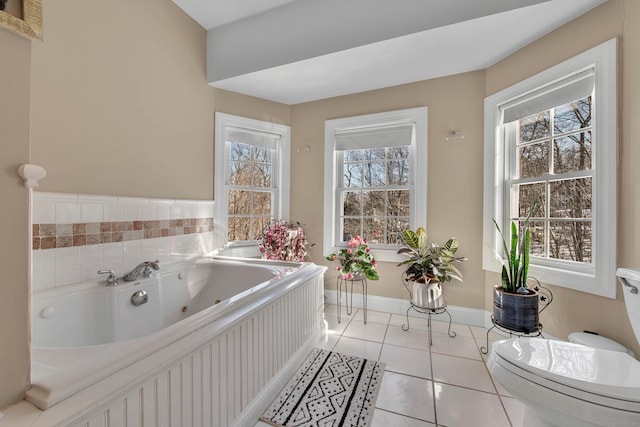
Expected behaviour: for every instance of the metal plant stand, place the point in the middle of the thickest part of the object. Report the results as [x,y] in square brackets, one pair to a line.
[536,333]
[430,311]
[545,296]
[344,282]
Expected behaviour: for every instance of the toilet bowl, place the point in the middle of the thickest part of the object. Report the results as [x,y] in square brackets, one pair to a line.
[568,384]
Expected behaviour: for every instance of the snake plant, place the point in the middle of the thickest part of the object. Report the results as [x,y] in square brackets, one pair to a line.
[515,269]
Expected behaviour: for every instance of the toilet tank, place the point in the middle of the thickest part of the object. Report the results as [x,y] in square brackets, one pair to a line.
[630,279]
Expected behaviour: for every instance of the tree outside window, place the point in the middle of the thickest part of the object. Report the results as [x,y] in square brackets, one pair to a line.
[250,191]
[553,182]
[375,194]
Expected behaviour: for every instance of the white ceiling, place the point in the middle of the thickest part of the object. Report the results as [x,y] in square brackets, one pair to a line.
[457,45]
[216,13]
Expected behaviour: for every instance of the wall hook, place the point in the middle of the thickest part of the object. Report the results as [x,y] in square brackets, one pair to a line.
[454,134]
[31,174]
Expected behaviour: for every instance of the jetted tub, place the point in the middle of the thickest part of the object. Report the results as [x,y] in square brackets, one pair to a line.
[84,336]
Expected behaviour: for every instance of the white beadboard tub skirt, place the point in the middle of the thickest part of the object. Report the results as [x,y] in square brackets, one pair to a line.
[183,358]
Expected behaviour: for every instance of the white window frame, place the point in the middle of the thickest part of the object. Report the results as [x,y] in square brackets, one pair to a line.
[599,277]
[281,173]
[417,173]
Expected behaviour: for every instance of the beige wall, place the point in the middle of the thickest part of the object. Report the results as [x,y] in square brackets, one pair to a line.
[120,100]
[14,244]
[454,172]
[251,107]
[571,310]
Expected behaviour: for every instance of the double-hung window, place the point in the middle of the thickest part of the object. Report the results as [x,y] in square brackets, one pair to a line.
[375,179]
[252,187]
[550,156]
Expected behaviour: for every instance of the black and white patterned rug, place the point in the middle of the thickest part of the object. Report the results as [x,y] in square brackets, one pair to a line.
[329,389]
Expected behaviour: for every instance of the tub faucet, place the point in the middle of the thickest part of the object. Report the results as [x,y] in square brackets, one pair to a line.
[112,278]
[146,268]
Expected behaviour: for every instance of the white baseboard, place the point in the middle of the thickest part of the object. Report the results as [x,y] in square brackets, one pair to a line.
[461,315]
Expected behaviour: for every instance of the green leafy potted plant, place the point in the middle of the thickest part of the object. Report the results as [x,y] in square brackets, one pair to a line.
[429,265]
[355,260]
[515,306]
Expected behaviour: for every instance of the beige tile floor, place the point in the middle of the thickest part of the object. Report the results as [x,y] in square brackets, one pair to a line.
[447,384]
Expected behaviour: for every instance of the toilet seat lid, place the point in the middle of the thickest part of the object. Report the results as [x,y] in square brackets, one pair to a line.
[594,340]
[592,370]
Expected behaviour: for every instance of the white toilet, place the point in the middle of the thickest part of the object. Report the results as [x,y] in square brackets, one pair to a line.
[566,384]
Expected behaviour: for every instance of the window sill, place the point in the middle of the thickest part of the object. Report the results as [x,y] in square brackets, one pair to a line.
[575,280]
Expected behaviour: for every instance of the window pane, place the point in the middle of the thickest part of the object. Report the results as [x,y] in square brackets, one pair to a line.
[375,153]
[572,153]
[240,173]
[395,230]
[239,151]
[537,244]
[353,175]
[373,230]
[573,116]
[398,203]
[262,175]
[375,173]
[239,202]
[238,228]
[571,198]
[535,126]
[398,152]
[261,154]
[373,202]
[351,228]
[262,203]
[351,203]
[531,200]
[571,241]
[353,156]
[533,160]
[398,172]
[259,224]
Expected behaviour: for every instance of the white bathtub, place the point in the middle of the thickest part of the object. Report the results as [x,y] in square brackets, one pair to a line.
[248,319]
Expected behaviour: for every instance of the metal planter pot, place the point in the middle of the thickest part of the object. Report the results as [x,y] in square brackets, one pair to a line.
[427,295]
[516,312]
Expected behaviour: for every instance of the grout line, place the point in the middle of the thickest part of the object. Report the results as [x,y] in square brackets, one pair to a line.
[384,338]
[467,388]
[408,375]
[433,382]
[405,415]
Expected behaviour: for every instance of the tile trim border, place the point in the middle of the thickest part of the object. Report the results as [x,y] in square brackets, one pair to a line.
[62,220]
[52,236]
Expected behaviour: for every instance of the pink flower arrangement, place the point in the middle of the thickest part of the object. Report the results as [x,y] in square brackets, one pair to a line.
[284,241]
[355,260]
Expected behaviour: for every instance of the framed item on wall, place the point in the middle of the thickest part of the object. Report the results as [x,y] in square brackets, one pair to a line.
[23,17]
